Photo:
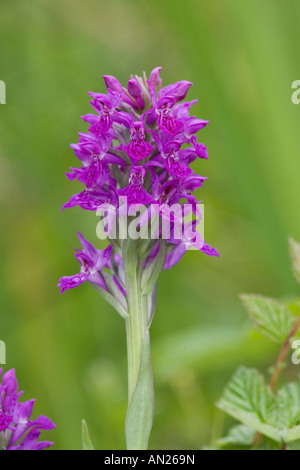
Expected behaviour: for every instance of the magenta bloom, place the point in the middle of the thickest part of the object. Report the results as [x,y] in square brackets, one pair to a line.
[139,149]
[135,192]
[92,261]
[17,430]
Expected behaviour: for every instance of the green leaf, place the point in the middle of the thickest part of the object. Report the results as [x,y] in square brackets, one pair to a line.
[271,317]
[210,448]
[294,445]
[112,301]
[238,436]
[114,290]
[139,418]
[295,256]
[249,400]
[290,435]
[289,405]
[86,440]
[152,271]
[289,411]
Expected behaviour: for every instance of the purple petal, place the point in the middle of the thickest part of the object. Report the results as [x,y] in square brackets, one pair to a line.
[69,282]
[154,78]
[112,83]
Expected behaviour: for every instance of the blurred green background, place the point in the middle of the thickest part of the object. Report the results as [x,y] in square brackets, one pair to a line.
[69,351]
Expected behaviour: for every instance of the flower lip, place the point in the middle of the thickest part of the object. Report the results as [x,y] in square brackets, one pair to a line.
[138,148]
[5,421]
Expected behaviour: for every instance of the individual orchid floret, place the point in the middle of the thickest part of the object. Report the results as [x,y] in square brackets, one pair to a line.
[168,157]
[137,89]
[135,192]
[191,127]
[154,78]
[190,239]
[106,106]
[17,430]
[113,84]
[5,421]
[175,92]
[138,148]
[182,110]
[95,162]
[91,200]
[95,157]
[167,122]
[162,113]
[200,149]
[92,261]
[134,89]
[167,98]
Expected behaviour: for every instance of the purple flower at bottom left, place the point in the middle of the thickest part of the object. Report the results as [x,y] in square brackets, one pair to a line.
[17,430]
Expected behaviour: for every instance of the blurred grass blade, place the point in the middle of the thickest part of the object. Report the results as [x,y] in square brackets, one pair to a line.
[86,440]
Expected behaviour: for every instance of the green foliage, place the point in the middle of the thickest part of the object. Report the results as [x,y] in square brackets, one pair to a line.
[295,445]
[248,399]
[238,436]
[270,316]
[269,420]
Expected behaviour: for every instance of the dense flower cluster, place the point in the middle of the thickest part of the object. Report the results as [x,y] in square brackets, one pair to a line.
[140,145]
[17,431]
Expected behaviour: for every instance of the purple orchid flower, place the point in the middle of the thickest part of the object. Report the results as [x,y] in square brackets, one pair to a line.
[135,90]
[190,238]
[167,98]
[135,192]
[168,157]
[154,78]
[114,85]
[17,430]
[138,148]
[106,106]
[117,142]
[92,261]
[95,157]
[91,200]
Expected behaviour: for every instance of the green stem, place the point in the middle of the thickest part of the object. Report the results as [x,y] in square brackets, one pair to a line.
[140,388]
[136,328]
[283,353]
